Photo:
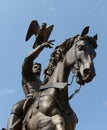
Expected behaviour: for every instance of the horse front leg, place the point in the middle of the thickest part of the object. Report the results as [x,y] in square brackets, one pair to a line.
[49,123]
[58,121]
[43,122]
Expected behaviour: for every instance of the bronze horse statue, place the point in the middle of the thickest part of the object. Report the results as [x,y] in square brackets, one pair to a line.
[51,110]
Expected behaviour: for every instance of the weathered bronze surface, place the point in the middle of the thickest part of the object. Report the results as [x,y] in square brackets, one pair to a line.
[46,106]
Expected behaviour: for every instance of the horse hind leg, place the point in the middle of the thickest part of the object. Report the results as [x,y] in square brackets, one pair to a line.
[58,122]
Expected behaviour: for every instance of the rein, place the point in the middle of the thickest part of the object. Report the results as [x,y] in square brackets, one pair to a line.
[75,91]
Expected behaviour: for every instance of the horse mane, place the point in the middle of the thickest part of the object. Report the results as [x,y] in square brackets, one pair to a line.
[56,56]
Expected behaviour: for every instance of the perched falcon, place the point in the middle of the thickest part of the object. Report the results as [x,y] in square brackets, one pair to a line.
[42,32]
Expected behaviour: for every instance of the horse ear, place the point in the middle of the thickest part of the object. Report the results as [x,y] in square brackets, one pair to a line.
[85,31]
[95,37]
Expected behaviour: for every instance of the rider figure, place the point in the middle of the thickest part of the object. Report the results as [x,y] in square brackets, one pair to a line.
[30,83]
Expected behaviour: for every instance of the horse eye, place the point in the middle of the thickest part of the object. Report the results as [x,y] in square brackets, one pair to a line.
[81,47]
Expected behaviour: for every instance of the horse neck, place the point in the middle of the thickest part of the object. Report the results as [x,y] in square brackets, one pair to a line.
[61,74]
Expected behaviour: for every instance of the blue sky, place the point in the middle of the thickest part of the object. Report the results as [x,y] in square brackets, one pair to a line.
[69,18]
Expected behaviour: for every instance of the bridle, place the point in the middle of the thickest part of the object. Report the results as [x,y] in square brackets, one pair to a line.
[77,75]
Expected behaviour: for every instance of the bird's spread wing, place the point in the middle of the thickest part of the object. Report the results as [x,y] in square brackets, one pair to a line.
[40,35]
[32,30]
[47,33]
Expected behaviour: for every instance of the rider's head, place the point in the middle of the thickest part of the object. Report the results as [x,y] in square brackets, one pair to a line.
[36,69]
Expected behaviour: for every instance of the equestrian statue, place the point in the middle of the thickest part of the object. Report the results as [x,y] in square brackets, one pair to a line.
[46,105]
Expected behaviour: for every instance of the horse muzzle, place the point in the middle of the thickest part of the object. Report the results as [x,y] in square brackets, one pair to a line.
[86,74]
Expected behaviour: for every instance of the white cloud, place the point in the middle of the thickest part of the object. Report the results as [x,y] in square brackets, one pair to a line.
[7,92]
[52,8]
[105,103]
[47,4]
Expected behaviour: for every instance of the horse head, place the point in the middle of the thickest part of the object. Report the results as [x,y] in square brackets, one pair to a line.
[81,55]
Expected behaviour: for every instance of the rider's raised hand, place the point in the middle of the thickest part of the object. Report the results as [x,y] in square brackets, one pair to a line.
[49,44]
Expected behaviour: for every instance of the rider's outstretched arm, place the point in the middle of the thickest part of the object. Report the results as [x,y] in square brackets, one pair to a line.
[28,61]
[34,54]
